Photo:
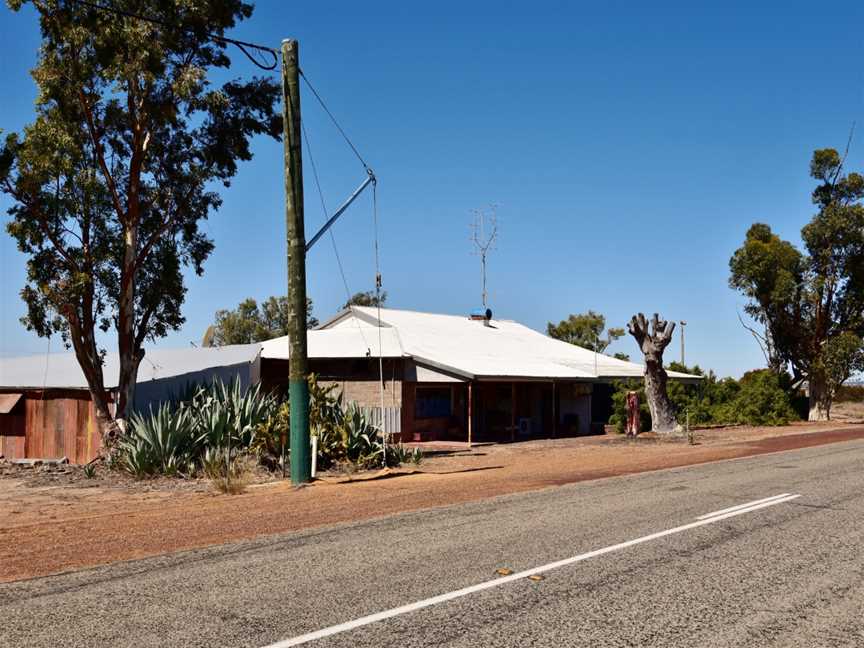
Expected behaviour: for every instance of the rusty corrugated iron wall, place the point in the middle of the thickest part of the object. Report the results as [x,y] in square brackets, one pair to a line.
[51,424]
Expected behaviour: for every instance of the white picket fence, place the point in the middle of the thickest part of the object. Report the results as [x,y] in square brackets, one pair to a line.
[392,419]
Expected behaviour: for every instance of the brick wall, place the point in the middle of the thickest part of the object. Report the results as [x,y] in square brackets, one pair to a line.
[357,379]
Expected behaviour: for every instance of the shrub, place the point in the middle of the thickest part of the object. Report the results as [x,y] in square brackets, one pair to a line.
[761,400]
[327,423]
[225,413]
[761,397]
[217,425]
[398,454]
[361,438]
[272,438]
[231,479]
[162,443]
[181,437]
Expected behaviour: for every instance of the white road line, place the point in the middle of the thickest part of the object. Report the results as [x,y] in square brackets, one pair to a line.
[498,582]
[740,506]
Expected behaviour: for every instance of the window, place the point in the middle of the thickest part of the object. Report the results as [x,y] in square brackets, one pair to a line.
[432,402]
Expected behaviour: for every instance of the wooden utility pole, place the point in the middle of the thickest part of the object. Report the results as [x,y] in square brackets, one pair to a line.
[298,369]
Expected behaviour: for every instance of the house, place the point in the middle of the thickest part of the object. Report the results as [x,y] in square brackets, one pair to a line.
[449,377]
[45,407]
[445,377]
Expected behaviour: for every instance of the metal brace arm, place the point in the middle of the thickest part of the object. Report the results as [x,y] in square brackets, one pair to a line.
[370,179]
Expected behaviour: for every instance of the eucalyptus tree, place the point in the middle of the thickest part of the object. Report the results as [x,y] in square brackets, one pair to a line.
[252,322]
[132,138]
[367,298]
[585,330]
[811,302]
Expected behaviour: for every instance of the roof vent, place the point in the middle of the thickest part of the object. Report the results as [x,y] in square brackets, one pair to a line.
[479,315]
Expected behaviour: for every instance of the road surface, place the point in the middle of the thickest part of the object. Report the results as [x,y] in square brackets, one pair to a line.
[656,559]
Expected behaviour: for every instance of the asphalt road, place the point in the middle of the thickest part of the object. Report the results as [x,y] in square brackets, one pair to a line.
[790,574]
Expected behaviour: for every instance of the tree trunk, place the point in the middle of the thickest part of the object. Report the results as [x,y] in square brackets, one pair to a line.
[652,343]
[126,384]
[820,403]
[130,354]
[87,354]
[662,412]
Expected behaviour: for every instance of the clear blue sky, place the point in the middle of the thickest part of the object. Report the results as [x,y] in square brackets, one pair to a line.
[629,145]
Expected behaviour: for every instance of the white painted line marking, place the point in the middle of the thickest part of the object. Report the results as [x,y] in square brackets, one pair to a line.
[740,506]
[465,591]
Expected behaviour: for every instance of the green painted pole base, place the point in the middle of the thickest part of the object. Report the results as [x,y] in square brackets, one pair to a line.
[301,454]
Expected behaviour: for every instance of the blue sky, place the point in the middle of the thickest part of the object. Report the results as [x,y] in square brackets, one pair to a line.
[629,146]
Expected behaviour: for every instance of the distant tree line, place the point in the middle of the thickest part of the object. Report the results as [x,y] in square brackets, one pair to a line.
[252,322]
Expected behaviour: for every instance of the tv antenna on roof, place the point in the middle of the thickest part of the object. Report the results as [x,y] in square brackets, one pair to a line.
[484,232]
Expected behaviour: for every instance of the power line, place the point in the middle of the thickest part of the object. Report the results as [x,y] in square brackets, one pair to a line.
[332,236]
[333,119]
[243,46]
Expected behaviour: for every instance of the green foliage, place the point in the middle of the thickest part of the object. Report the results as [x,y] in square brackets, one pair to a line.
[761,400]
[585,330]
[251,322]
[326,422]
[842,357]
[700,400]
[215,425]
[770,272]
[184,437]
[807,302]
[162,443]
[219,410]
[398,454]
[346,434]
[110,182]
[362,440]
[368,298]
[273,438]
[761,397]
[89,470]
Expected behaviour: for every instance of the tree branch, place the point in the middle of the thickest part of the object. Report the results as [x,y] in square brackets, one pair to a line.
[160,231]
[761,340]
[43,223]
[100,156]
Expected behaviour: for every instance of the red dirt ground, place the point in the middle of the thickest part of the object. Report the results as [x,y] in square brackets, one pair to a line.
[50,529]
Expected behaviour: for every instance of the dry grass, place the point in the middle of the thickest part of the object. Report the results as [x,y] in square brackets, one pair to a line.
[848,411]
[233,481]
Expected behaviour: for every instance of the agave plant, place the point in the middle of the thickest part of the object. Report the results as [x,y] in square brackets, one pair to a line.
[161,443]
[326,422]
[362,440]
[398,454]
[226,415]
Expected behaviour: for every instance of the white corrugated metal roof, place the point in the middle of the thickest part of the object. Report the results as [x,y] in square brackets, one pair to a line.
[61,370]
[505,349]
[355,341]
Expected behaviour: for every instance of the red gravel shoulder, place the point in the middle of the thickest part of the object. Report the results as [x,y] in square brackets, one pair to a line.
[53,525]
